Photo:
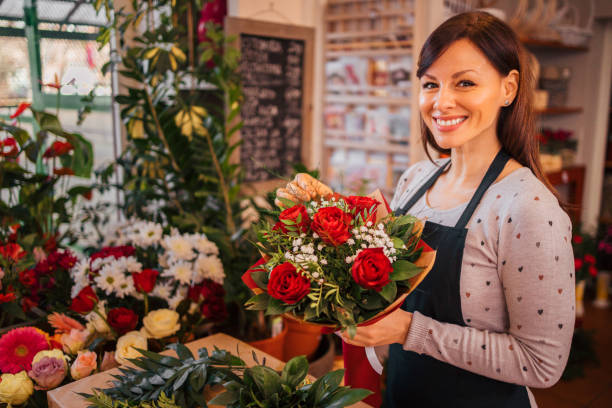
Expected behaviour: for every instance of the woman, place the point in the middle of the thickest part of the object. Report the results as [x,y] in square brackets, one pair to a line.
[495,315]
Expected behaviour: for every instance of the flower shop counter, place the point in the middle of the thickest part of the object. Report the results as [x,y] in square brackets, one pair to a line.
[67,396]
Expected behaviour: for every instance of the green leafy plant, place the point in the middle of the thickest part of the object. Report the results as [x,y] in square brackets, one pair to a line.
[166,381]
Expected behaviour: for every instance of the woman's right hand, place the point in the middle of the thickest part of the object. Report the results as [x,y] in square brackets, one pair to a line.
[303,188]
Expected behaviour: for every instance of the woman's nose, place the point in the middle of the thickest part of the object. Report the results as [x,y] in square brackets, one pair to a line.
[444,99]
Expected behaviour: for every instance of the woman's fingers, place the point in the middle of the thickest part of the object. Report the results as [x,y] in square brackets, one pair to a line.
[283,193]
[297,191]
[313,186]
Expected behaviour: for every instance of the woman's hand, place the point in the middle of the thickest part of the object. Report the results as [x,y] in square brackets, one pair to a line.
[388,330]
[303,188]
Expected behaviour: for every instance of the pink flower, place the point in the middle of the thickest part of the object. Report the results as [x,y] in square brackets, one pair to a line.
[108,361]
[18,347]
[48,372]
[85,364]
[74,341]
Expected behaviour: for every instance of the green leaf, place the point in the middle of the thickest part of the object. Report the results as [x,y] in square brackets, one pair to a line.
[182,351]
[344,397]
[258,302]
[285,202]
[275,307]
[295,371]
[260,277]
[403,270]
[389,291]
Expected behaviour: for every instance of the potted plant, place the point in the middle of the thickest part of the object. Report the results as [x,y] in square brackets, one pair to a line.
[585,250]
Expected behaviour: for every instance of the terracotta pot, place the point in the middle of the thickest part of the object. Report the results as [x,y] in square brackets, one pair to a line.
[323,359]
[272,345]
[302,338]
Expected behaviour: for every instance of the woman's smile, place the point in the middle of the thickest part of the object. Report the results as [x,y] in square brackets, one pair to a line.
[448,123]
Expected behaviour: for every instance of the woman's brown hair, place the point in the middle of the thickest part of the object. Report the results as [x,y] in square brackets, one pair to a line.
[497,41]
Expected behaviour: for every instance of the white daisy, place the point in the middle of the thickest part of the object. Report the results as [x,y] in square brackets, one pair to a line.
[162,290]
[109,279]
[174,301]
[210,267]
[204,246]
[179,247]
[149,233]
[180,271]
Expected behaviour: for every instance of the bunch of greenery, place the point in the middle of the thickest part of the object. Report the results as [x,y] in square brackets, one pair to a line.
[180,108]
[166,381]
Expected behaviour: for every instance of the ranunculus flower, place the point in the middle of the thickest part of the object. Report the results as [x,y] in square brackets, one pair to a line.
[108,361]
[214,309]
[577,239]
[145,281]
[592,270]
[57,148]
[28,278]
[85,301]
[127,344]
[371,269]
[362,204]
[332,224]
[122,319]
[8,147]
[54,353]
[15,389]
[287,285]
[161,323]
[292,214]
[577,263]
[48,372]
[75,340]
[85,364]
[12,251]
[588,258]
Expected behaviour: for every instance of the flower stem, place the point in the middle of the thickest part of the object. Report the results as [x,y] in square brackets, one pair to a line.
[146,303]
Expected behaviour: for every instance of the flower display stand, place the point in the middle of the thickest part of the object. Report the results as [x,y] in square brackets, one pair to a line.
[67,396]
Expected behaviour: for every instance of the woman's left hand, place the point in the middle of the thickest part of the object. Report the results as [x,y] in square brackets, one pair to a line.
[388,330]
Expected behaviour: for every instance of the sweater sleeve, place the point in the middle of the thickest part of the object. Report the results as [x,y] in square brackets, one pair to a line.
[536,268]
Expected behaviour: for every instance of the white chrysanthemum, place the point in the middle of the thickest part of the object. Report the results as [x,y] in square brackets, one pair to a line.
[132,265]
[210,267]
[162,290]
[109,279]
[174,301]
[180,271]
[125,288]
[179,247]
[204,246]
[149,233]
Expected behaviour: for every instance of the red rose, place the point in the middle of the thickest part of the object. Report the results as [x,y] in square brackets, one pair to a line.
[577,239]
[214,309]
[208,289]
[85,301]
[592,270]
[287,285]
[145,281]
[588,258]
[122,319]
[577,263]
[361,205]
[292,214]
[332,224]
[57,148]
[28,278]
[371,269]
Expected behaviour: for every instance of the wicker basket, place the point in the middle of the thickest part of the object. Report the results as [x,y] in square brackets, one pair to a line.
[570,31]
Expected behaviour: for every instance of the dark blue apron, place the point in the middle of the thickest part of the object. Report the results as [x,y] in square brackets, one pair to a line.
[418,380]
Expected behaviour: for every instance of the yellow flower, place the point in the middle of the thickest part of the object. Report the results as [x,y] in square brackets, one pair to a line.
[55,353]
[15,389]
[161,323]
[127,344]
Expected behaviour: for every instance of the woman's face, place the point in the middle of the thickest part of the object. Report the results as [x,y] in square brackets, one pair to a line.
[461,96]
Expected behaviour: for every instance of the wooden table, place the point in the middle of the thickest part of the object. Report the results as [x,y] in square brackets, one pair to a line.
[67,397]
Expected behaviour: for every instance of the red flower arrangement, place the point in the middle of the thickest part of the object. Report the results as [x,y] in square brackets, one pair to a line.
[122,319]
[585,250]
[57,148]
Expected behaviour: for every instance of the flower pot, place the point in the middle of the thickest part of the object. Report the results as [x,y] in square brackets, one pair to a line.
[601,298]
[580,299]
[323,359]
[272,345]
[302,338]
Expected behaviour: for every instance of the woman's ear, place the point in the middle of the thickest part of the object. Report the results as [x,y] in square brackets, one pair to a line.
[510,85]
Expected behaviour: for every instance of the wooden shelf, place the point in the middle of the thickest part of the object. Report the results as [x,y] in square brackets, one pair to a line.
[366,135]
[368,46]
[367,100]
[367,34]
[555,45]
[367,88]
[368,53]
[605,220]
[373,13]
[379,147]
[561,110]
[609,165]
[334,2]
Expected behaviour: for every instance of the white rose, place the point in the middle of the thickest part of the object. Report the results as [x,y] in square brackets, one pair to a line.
[161,323]
[127,344]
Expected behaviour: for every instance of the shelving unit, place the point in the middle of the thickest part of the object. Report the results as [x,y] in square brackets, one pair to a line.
[367,93]
[562,110]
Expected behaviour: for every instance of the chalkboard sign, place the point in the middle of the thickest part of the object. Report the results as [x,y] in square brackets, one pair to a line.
[276,76]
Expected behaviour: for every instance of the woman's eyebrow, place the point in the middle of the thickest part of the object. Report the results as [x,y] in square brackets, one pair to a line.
[455,75]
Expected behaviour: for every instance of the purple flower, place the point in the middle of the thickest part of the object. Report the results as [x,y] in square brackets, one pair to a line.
[48,372]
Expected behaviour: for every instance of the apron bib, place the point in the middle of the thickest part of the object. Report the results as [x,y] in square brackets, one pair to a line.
[419,380]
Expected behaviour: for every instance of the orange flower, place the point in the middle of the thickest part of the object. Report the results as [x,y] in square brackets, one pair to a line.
[55,84]
[20,109]
[63,171]
[12,251]
[62,323]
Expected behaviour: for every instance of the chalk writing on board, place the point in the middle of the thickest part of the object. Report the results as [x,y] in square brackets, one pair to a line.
[272,75]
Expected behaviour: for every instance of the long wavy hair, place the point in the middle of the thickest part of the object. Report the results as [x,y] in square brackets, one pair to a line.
[516,129]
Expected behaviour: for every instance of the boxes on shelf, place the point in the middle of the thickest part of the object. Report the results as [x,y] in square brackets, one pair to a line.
[555,81]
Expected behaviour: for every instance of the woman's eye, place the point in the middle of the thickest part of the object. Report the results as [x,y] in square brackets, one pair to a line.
[466,83]
[429,85]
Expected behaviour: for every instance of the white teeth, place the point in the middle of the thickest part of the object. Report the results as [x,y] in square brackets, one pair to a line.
[451,122]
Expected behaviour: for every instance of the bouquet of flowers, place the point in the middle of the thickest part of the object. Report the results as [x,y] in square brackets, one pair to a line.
[585,251]
[338,262]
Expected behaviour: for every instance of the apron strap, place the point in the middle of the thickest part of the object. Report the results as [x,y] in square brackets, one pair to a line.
[493,172]
[416,196]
